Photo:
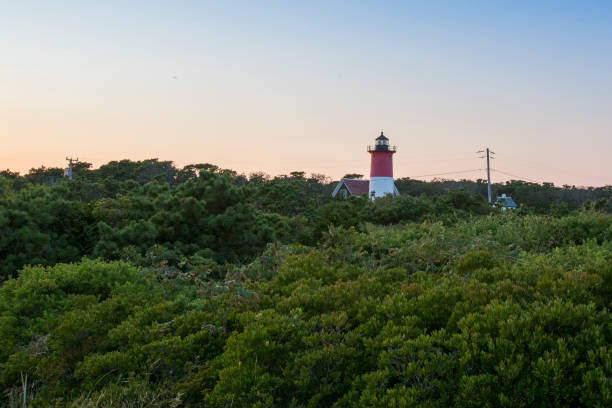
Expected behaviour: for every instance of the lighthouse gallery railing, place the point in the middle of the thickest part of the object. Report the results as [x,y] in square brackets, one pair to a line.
[382,148]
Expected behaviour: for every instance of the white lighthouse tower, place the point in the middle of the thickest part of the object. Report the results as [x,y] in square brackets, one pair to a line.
[381,168]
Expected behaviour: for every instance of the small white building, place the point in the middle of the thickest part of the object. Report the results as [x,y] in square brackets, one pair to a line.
[505,202]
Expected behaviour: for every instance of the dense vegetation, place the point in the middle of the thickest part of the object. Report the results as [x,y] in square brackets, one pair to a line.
[142,285]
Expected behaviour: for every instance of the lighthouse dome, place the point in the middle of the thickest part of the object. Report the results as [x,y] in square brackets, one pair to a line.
[382,137]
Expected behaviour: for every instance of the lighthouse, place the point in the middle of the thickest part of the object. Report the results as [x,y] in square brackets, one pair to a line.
[381,168]
[381,174]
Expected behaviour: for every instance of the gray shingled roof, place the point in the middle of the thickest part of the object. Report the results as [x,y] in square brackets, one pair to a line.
[506,201]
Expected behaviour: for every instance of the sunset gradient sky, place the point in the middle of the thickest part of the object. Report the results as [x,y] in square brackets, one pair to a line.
[273,86]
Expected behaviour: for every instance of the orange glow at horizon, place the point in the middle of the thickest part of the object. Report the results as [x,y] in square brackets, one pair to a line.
[290,89]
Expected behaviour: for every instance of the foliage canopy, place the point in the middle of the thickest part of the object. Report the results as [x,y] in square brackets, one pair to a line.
[139,285]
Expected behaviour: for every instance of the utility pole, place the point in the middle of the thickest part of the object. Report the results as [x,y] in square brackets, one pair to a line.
[489,157]
[71,161]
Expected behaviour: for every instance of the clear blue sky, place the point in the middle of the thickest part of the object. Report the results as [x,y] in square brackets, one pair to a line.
[275,87]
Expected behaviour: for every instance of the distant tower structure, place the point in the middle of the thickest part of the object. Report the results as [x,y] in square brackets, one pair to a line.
[381,168]
[68,171]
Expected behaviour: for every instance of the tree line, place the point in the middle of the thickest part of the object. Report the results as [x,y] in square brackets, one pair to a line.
[140,284]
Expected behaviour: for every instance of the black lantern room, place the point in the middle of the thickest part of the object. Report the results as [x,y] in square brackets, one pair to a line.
[381,144]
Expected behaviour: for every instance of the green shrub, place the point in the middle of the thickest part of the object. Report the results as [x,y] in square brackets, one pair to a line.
[499,310]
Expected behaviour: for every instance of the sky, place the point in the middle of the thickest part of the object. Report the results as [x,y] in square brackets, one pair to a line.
[281,86]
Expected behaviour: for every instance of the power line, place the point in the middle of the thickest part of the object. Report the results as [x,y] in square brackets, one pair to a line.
[514,175]
[449,172]
[541,165]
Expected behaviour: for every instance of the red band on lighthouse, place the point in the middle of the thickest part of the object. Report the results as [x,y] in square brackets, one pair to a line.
[381,164]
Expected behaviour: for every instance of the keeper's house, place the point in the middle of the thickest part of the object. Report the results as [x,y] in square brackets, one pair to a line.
[351,187]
